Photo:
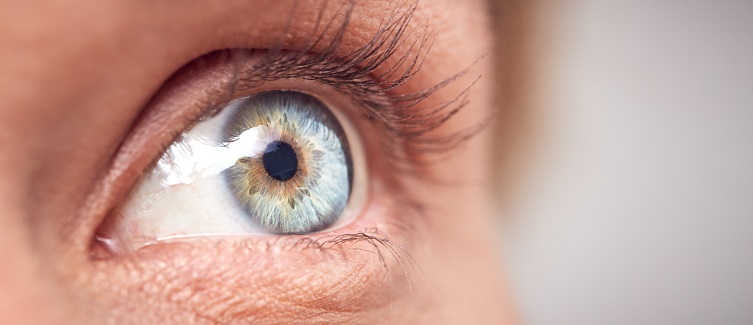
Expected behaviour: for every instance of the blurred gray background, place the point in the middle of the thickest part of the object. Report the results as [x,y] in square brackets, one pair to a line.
[626,160]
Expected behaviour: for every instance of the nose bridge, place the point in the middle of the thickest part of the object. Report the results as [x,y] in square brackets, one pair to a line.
[27,288]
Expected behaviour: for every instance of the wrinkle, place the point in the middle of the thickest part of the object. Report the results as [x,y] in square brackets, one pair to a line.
[326,280]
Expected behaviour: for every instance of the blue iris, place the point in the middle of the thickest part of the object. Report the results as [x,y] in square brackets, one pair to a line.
[300,182]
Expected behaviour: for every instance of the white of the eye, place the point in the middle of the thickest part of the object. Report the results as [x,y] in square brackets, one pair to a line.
[188,191]
[201,153]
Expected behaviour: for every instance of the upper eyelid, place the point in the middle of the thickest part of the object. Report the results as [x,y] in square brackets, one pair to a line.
[372,74]
[378,101]
[362,72]
[359,73]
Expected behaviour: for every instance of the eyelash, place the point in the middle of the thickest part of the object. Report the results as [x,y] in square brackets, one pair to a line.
[408,142]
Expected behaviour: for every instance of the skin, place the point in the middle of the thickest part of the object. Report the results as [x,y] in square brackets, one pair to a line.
[73,81]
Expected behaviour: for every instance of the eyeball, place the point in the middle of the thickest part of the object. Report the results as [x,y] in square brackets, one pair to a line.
[277,162]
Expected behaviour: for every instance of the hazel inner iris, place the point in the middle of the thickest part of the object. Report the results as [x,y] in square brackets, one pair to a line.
[280,160]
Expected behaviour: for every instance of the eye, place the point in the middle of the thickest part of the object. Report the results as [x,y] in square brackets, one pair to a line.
[275,162]
[275,142]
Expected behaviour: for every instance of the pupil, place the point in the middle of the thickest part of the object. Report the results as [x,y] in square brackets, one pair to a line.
[280,160]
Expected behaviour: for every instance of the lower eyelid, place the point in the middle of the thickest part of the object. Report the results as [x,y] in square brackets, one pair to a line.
[234,279]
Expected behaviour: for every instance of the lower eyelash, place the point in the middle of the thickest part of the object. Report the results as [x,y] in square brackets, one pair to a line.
[384,248]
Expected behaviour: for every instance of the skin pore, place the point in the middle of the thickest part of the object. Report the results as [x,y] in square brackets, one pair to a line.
[94,92]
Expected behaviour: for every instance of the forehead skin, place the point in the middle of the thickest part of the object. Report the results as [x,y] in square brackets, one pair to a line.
[73,78]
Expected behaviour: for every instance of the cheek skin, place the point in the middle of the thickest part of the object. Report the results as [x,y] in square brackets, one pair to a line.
[459,254]
[76,82]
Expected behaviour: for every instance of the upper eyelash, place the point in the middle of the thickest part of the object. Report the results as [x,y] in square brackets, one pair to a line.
[408,124]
